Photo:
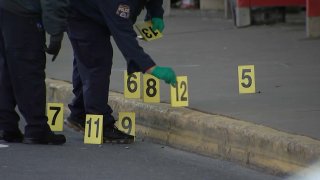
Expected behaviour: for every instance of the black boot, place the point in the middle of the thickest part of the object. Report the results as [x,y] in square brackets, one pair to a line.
[112,134]
[77,124]
[48,138]
[11,136]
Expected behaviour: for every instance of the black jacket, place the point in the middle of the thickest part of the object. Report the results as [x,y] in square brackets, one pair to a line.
[53,12]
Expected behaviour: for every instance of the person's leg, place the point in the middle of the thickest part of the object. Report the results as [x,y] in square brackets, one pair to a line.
[93,54]
[9,128]
[25,41]
[76,119]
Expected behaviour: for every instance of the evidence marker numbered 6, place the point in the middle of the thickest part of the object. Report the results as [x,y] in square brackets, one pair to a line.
[151,89]
[93,133]
[55,116]
[132,85]
[145,29]
[127,122]
[247,82]
[179,94]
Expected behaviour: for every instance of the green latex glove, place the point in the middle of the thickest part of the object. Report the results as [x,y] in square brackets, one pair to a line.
[157,24]
[166,74]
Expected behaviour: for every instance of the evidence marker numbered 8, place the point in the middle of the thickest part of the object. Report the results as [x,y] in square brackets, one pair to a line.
[151,89]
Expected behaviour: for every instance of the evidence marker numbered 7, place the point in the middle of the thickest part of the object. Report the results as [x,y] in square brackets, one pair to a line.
[246,77]
[55,116]
[145,29]
[179,93]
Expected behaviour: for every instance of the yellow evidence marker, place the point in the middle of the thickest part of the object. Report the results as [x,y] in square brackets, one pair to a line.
[132,85]
[55,116]
[93,133]
[247,82]
[145,29]
[179,94]
[127,122]
[151,89]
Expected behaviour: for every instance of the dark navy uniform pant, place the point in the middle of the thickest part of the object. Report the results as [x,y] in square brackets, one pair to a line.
[22,76]
[91,68]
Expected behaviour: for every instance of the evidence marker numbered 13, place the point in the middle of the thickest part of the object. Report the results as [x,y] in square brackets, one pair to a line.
[55,116]
[179,94]
[151,89]
[145,29]
[132,84]
[127,122]
[247,82]
[93,133]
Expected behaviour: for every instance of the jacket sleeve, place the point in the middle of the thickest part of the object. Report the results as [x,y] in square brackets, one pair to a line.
[54,15]
[122,31]
[154,9]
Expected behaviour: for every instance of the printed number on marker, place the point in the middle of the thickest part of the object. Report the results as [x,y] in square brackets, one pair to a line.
[246,79]
[146,31]
[93,129]
[126,122]
[151,89]
[55,116]
[132,85]
[179,94]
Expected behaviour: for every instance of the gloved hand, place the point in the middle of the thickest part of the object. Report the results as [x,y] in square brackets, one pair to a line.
[157,24]
[166,74]
[55,45]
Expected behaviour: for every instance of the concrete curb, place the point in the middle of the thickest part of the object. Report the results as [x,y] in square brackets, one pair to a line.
[207,134]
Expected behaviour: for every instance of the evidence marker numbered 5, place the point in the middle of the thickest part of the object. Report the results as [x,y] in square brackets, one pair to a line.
[55,116]
[247,82]
[145,29]
[179,94]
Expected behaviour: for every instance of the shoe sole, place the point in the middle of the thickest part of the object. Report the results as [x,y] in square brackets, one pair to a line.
[119,141]
[74,126]
[29,141]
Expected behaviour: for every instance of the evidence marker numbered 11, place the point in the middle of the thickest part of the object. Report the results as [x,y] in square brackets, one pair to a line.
[246,77]
[179,93]
[93,133]
[145,29]
[132,85]
[55,116]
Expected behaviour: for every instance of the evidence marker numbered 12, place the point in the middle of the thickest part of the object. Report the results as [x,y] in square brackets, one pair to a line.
[55,116]
[151,89]
[127,122]
[179,94]
[132,84]
[247,82]
[145,29]
[93,133]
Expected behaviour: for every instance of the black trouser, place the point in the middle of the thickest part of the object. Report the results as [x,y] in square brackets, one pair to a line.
[91,68]
[22,76]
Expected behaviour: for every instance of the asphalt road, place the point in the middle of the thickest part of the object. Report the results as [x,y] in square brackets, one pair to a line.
[141,161]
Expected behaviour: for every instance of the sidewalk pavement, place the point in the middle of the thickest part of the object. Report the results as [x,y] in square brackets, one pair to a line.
[277,129]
